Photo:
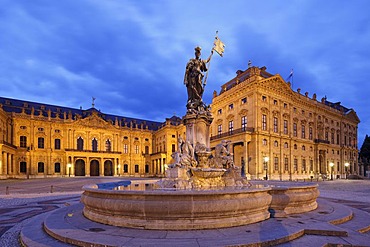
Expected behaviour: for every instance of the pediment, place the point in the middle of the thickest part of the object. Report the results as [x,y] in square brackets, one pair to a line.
[93,121]
[277,83]
[353,116]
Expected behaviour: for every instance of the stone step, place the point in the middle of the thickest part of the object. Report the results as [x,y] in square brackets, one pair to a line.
[309,229]
[33,234]
[360,221]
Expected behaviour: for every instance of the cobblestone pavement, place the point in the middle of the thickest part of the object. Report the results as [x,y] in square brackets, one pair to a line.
[20,200]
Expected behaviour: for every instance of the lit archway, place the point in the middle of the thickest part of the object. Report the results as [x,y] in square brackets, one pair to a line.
[108,168]
[94,168]
[80,167]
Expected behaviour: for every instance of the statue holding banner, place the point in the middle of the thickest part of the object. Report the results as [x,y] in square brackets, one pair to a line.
[194,76]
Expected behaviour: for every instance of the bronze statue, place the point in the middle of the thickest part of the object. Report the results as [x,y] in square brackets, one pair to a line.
[194,79]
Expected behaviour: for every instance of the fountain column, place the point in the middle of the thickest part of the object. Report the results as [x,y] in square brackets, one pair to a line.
[197,128]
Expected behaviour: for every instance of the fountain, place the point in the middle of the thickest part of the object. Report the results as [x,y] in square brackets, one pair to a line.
[201,190]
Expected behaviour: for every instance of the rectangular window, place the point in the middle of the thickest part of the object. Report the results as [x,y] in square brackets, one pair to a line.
[332,137]
[57,167]
[40,142]
[294,129]
[219,129]
[264,98]
[286,164]
[244,100]
[285,105]
[231,106]
[22,167]
[310,135]
[275,102]
[303,165]
[295,165]
[40,167]
[23,141]
[285,127]
[57,144]
[173,148]
[303,132]
[219,111]
[326,136]
[125,148]
[231,127]
[125,168]
[276,163]
[311,165]
[244,123]
[337,139]
[136,149]
[276,129]
[264,122]
[136,168]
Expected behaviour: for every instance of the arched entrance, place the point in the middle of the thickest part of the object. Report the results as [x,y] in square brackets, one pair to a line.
[94,168]
[80,168]
[108,168]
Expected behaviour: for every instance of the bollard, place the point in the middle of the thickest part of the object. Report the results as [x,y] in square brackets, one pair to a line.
[7,190]
[51,189]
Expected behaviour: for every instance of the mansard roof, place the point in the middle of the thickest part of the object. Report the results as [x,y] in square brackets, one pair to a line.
[243,75]
[61,112]
[350,113]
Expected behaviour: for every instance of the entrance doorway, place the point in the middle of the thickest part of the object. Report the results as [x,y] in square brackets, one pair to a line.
[79,168]
[108,168]
[94,168]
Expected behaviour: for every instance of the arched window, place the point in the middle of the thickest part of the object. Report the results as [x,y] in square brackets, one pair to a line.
[80,143]
[108,146]
[303,148]
[264,142]
[285,145]
[94,145]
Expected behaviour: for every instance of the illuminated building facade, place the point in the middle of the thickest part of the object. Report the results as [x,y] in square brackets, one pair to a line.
[274,132]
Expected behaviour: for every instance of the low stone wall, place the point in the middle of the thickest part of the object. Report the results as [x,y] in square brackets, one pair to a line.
[177,210]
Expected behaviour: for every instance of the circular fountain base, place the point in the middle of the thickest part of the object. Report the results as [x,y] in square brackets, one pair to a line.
[177,210]
[170,209]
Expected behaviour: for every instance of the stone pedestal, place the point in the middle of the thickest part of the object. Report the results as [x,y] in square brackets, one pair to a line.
[197,128]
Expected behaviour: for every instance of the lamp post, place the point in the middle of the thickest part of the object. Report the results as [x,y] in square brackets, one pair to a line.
[118,169]
[265,160]
[69,169]
[331,164]
[346,165]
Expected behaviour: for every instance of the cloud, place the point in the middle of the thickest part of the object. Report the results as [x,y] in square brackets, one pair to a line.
[131,55]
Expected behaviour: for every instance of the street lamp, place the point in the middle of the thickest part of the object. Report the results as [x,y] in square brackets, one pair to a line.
[118,169]
[69,169]
[265,160]
[346,165]
[331,164]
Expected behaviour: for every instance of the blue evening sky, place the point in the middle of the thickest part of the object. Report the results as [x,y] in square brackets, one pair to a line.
[131,55]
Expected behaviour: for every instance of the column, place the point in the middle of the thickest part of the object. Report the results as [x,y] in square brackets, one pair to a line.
[5,155]
[11,170]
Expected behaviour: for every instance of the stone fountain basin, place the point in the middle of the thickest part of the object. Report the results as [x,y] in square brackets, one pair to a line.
[176,209]
[208,172]
[195,209]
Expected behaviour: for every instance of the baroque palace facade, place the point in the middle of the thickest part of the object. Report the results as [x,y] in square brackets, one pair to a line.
[273,131]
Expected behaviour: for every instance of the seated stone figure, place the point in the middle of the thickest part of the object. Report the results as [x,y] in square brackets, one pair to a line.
[184,157]
[223,158]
